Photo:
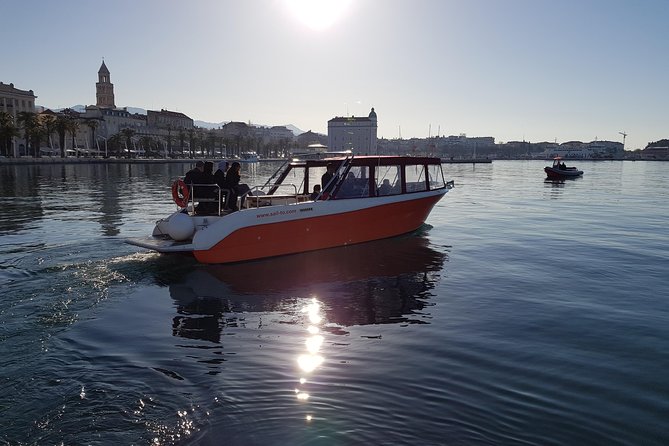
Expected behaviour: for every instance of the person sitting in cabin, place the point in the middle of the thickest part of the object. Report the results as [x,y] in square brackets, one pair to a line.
[219,175]
[195,174]
[219,178]
[205,188]
[349,188]
[385,188]
[316,192]
[563,166]
[232,182]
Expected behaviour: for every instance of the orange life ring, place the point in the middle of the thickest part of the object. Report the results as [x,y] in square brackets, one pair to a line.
[180,193]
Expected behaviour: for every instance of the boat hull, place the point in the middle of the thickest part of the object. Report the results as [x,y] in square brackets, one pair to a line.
[560,174]
[311,233]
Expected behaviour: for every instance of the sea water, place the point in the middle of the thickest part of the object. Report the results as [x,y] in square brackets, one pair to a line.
[522,312]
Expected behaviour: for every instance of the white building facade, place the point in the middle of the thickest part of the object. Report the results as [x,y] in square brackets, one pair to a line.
[14,101]
[351,133]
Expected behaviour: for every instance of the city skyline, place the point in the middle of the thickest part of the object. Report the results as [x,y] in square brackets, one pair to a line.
[514,70]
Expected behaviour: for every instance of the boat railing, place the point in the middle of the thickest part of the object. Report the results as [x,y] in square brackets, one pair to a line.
[203,196]
[256,198]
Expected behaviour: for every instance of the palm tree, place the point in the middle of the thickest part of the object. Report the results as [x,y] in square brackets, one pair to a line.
[49,125]
[169,139]
[182,141]
[8,131]
[93,125]
[115,142]
[61,126]
[191,141]
[148,143]
[128,134]
[73,127]
[28,120]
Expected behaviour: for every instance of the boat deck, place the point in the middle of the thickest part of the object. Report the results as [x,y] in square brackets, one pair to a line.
[160,244]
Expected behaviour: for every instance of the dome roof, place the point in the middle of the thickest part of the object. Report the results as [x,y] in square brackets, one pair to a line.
[372,114]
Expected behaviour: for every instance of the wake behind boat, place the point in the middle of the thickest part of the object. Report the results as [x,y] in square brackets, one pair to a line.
[362,199]
[559,171]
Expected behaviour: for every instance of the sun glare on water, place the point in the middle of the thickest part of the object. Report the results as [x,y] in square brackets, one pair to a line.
[318,14]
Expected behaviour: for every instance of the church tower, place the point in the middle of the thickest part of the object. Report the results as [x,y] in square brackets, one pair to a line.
[104,89]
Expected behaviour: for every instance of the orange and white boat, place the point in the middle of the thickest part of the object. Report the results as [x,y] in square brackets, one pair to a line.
[365,198]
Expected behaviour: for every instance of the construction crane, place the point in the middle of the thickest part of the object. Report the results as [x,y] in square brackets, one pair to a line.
[624,136]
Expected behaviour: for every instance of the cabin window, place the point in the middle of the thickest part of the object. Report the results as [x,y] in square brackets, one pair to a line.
[388,180]
[356,183]
[415,178]
[435,176]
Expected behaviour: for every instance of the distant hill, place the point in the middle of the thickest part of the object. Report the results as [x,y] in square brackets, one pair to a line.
[209,125]
[203,124]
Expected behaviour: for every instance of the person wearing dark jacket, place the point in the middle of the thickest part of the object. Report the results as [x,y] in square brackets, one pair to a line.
[194,175]
[205,188]
[232,182]
[219,175]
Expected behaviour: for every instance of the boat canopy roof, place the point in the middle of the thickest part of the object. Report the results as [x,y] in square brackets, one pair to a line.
[367,160]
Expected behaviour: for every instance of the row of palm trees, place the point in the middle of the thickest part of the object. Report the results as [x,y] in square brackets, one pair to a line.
[37,128]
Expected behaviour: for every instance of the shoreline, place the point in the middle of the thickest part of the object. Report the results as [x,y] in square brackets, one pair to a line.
[59,160]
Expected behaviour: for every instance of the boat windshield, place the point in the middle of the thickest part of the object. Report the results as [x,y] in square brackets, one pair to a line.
[344,177]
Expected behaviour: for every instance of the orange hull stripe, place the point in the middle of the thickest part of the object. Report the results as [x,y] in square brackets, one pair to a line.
[309,234]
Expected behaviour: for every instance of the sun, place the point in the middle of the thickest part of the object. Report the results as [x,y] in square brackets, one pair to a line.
[318,14]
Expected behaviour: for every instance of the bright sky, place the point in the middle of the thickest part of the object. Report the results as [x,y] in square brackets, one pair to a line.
[534,70]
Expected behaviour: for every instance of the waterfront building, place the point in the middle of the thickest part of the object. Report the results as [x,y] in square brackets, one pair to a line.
[165,119]
[308,138]
[587,150]
[15,101]
[351,133]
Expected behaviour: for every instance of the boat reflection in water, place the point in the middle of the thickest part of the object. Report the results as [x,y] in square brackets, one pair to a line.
[386,281]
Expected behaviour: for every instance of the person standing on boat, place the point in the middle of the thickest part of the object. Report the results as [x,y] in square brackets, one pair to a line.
[232,182]
[327,177]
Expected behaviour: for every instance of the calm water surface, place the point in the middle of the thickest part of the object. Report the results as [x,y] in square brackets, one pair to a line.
[523,312]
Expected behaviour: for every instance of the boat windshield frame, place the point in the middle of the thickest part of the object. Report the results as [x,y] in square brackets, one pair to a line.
[344,162]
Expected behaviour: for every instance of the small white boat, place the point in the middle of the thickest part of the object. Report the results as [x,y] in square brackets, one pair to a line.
[364,198]
[248,157]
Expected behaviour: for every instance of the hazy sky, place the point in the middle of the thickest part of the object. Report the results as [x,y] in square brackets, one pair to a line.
[538,70]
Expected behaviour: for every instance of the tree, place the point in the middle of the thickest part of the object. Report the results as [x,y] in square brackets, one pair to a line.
[169,139]
[73,127]
[62,125]
[128,134]
[182,141]
[115,143]
[93,125]
[8,131]
[29,122]
[191,141]
[49,126]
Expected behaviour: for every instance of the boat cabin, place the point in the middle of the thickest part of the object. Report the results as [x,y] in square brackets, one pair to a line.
[359,176]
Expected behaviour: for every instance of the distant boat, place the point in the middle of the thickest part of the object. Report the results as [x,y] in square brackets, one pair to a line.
[248,157]
[559,171]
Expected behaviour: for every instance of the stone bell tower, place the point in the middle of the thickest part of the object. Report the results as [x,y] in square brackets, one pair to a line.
[104,89]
